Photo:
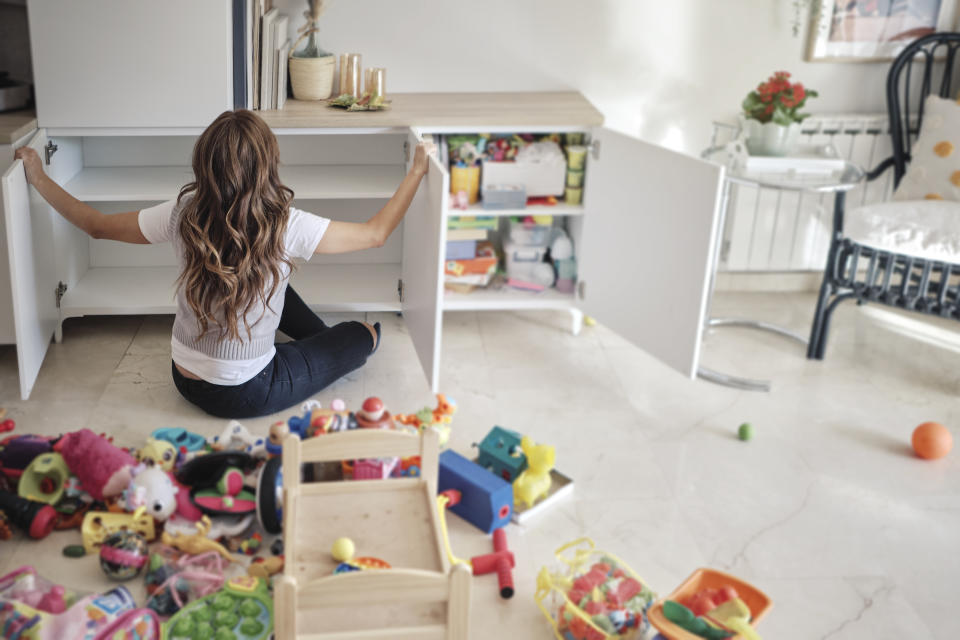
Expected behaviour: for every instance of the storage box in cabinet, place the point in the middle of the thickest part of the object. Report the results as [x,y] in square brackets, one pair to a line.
[545,178]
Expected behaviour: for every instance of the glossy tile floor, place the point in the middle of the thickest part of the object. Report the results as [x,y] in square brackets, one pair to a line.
[826,509]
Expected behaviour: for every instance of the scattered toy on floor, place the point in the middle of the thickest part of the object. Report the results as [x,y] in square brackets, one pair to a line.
[44,479]
[123,555]
[198,542]
[46,611]
[438,418]
[501,562]
[486,501]
[104,470]
[160,452]
[594,595]
[265,567]
[534,482]
[932,441]
[98,525]
[242,610]
[745,432]
[500,453]
[153,489]
[36,519]
[236,437]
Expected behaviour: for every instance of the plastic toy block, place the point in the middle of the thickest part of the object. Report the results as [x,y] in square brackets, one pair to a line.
[500,454]
[486,501]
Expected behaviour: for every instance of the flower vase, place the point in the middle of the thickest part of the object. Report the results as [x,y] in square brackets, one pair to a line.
[770,138]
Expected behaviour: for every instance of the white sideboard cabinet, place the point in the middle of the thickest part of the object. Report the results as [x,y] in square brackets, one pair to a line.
[117,64]
[124,89]
[644,234]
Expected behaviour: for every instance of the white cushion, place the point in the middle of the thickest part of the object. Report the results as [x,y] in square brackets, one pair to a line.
[934,168]
[923,228]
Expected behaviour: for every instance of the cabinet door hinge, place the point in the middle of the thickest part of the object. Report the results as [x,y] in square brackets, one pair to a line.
[406,151]
[725,251]
[61,289]
[595,149]
[582,289]
[49,150]
[400,289]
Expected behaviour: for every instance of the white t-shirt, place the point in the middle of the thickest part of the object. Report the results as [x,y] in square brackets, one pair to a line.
[303,234]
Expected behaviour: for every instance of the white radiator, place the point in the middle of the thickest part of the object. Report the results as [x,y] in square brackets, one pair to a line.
[771,230]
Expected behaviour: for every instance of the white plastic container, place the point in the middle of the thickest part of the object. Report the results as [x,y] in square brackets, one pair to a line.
[521,262]
[545,178]
[530,235]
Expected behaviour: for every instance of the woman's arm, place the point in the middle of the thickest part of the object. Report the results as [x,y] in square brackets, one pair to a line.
[343,237]
[119,226]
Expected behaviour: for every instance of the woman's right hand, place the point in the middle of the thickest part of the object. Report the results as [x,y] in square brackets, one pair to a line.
[31,164]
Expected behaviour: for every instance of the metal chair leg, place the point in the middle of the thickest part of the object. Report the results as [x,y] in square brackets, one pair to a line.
[816,329]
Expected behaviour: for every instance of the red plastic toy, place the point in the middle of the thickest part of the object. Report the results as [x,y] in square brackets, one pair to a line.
[500,561]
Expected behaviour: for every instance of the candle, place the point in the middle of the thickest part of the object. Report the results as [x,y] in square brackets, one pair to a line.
[342,80]
[377,81]
[352,83]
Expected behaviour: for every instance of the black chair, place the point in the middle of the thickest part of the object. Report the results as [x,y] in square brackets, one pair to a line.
[867,274]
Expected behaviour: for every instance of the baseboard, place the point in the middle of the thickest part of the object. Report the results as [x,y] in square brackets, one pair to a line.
[784,281]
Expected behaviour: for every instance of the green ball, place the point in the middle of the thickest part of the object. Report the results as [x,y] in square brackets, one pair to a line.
[745,432]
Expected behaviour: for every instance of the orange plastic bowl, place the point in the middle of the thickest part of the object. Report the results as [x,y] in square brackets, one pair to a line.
[757,600]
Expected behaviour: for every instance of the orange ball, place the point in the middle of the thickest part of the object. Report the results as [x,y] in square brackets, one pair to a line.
[932,440]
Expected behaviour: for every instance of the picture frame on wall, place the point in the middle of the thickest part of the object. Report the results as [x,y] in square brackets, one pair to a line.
[873,30]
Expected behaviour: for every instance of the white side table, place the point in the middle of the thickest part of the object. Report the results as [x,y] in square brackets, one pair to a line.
[837,183]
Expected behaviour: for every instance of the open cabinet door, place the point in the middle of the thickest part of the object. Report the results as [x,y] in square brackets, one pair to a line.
[648,245]
[32,273]
[421,285]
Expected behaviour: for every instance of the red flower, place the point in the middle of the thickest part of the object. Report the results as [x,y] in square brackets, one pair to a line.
[768,110]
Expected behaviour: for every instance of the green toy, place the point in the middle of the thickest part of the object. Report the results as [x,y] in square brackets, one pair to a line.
[45,479]
[685,619]
[242,610]
[745,432]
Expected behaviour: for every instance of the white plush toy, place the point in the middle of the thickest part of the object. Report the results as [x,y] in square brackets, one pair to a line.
[152,488]
[236,437]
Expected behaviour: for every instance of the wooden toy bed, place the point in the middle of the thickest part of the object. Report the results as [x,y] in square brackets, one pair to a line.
[394,519]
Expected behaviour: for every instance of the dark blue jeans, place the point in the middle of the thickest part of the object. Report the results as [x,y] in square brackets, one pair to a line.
[317,356]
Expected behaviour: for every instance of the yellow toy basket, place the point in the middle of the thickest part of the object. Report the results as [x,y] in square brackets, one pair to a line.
[592,594]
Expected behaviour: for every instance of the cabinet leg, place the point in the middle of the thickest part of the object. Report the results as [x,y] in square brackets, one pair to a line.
[576,321]
[58,333]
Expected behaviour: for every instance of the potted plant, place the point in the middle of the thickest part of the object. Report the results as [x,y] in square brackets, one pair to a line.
[772,115]
[311,68]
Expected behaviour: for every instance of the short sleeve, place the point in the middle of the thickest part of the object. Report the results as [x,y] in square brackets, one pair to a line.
[304,231]
[155,222]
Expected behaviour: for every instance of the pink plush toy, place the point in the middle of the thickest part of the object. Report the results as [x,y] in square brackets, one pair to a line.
[104,470]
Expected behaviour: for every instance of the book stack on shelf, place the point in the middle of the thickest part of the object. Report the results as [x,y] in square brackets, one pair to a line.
[261,49]
[471,260]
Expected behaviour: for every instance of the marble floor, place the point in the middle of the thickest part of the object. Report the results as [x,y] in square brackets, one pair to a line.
[825,509]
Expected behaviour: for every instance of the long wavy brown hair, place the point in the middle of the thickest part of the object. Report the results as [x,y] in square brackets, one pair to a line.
[232,224]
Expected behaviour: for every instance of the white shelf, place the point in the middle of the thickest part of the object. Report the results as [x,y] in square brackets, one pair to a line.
[150,290]
[506,298]
[309,182]
[559,209]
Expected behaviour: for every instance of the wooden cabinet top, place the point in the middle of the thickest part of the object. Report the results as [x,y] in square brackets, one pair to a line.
[445,110]
[16,124]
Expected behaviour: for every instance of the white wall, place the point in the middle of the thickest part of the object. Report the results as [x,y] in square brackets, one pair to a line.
[660,69]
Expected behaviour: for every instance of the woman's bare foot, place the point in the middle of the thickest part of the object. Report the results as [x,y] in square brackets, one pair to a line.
[373,332]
